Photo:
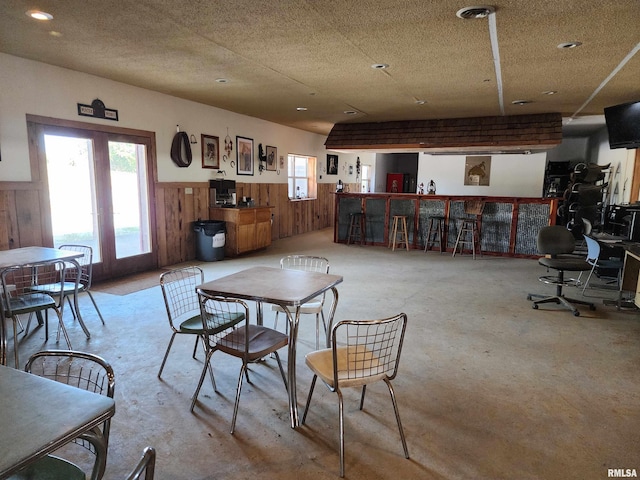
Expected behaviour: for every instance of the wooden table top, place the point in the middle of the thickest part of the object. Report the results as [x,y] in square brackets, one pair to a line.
[34,255]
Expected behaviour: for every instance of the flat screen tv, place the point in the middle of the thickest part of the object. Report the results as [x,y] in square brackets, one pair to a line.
[623,125]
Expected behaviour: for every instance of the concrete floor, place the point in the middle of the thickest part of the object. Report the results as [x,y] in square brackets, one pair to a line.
[488,388]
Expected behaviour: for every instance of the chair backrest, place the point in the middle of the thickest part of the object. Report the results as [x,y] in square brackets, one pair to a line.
[365,351]
[555,240]
[179,293]
[219,314]
[85,262]
[78,369]
[18,283]
[308,263]
[473,207]
[593,250]
[146,465]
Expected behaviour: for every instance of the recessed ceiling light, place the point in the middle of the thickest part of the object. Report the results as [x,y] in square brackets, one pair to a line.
[301,109]
[420,102]
[380,66]
[350,112]
[569,45]
[468,13]
[550,92]
[53,33]
[521,102]
[39,15]
[222,80]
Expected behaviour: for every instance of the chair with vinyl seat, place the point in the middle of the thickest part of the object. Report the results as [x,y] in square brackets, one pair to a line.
[228,329]
[78,280]
[20,296]
[362,352]
[81,370]
[612,265]
[183,310]
[315,307]
[146,465]
[557,244]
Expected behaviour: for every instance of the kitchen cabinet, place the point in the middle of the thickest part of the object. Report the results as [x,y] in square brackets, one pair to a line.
[247,228]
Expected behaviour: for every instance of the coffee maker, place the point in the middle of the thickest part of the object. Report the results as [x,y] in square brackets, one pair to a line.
[222,193]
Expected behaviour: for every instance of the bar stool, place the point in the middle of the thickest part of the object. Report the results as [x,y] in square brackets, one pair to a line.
[356,228]
[469,233]
[436,227]
[399,228]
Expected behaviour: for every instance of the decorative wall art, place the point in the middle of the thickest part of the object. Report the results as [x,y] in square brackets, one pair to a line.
[244,159]
[210,151]
[272,158]
[477,170]
[332,164]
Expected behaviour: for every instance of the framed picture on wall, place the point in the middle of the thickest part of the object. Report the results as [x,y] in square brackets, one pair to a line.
[244,156]
[210,151]
[272,158]
[477,170]
[332,164]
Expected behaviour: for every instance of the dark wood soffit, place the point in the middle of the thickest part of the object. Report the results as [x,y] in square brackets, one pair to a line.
[514,132]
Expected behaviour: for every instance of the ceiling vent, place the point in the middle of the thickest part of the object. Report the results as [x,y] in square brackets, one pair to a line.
[475,12]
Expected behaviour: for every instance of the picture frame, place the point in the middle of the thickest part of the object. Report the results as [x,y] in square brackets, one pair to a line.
[272,158]
[244,155]
[332,164]
[210,151]
[477,170]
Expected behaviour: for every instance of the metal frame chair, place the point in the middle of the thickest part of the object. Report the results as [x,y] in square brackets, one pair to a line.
[146,465]
[593,258]
[369,352]
[183,310]
[85,275]
[228,329]
[88,372]
[307,263]
[21,295]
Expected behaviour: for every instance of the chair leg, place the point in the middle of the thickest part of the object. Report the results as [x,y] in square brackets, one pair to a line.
[306,408]
[239,389]
[364,390]
[284,377]
[201,380]
[166,354]
[341,422]
[15,341]
[61,327]
[96,306]
[397,412]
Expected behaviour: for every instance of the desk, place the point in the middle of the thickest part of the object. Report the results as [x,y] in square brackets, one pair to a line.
[631,275]
[40,415]
[28,256]
[289,289]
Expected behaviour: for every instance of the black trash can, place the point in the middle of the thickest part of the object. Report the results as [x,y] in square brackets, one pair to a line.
[210,239]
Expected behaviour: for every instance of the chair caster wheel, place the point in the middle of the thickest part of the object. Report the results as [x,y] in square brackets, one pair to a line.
[576,314]
[534,306]
[592,307]
[528,297]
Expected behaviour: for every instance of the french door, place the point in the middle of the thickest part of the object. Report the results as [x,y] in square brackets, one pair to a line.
[99,186]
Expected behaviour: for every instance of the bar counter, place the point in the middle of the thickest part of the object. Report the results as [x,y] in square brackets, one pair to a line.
[509,225]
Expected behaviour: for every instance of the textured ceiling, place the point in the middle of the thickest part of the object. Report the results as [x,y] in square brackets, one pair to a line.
[282,54]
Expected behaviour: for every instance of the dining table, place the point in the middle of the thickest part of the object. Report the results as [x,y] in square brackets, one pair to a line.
[289,289]
[35,256]
[40,415]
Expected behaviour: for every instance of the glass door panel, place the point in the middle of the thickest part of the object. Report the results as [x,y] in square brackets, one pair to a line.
[72,192]
[129,196]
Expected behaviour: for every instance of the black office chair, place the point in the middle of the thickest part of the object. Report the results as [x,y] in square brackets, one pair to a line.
[557,243]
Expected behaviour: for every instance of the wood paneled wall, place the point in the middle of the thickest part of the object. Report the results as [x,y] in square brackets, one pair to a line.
[177,205]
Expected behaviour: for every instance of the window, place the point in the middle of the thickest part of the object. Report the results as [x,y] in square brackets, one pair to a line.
[366,179]
[302,177]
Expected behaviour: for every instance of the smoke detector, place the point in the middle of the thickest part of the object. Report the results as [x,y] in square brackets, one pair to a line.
[468,13]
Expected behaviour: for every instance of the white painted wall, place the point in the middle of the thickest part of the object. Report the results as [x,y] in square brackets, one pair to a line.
[28,87]
[512,175]
[622,160]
